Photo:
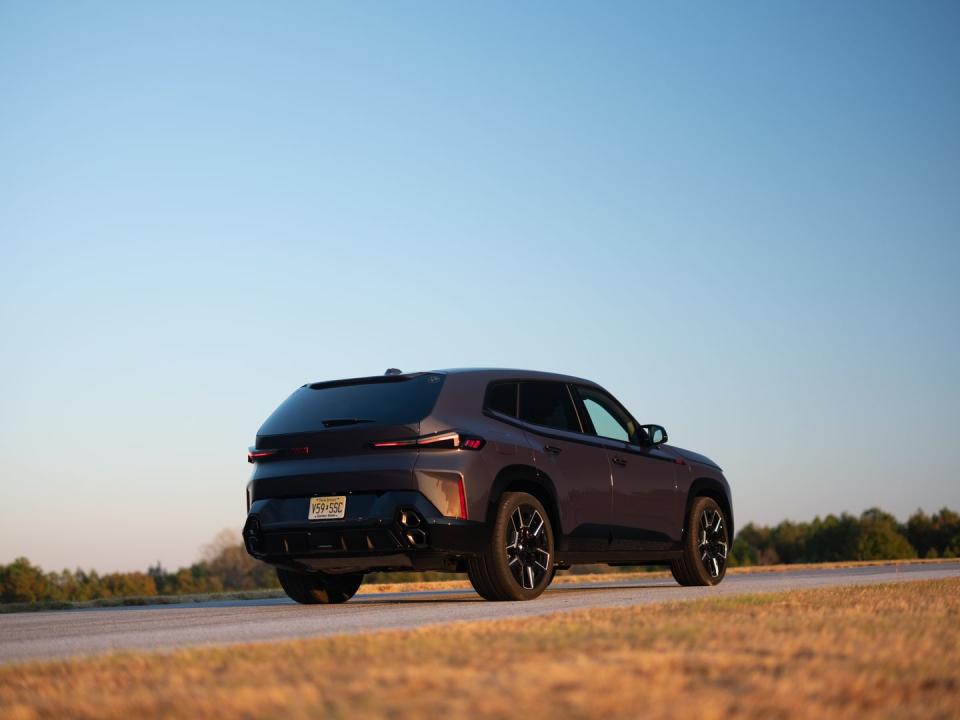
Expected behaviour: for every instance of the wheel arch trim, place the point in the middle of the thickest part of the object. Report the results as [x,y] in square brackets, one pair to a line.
[715,489]
[526,478]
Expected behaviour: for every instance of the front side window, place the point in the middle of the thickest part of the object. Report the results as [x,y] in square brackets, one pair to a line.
[548,404]
[608,418]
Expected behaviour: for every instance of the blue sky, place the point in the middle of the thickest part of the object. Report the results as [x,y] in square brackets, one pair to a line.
[743,219]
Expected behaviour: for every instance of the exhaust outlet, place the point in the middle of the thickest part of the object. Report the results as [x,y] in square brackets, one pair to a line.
[417,538]
[409,519]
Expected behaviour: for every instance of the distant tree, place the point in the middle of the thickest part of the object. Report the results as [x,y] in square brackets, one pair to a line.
[880,538]
[226,559]
[754,546]
[832,539]
[133,584]
[22,582]
[937,535]
[790,541]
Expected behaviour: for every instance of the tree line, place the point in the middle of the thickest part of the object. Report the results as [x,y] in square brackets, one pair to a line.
[225,565]
[875,535]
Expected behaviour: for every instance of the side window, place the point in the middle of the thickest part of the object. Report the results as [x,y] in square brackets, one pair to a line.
[604,423]
[502,398]
[548,404]
[608,418]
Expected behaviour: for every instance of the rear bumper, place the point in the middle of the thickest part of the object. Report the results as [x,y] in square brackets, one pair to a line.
[396,530]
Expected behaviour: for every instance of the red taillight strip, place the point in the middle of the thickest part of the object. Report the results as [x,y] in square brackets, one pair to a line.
[396,443]
[452,438]
[463,501]
[254,455]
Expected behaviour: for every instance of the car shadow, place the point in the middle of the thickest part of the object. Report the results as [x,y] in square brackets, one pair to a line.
[468,595]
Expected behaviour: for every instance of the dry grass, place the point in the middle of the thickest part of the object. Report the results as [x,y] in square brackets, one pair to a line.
[879,651]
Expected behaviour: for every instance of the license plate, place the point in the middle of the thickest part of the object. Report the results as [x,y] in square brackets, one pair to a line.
[330,507]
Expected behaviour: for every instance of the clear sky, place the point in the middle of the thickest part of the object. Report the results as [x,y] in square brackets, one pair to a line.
[741,218]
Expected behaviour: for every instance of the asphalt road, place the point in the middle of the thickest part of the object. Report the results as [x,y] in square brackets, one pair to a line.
[26,636]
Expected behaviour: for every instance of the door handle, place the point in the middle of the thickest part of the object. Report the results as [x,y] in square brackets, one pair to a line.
[617,460]
[552,449]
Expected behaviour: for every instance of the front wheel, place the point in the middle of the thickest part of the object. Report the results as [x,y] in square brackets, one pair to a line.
[517,563]
[319,588]
[705,543]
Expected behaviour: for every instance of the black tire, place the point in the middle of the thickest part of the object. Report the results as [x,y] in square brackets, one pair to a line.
[705,545]
[518,560]
[319,588]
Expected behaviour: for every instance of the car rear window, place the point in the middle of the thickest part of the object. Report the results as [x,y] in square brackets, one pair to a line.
[502,397]
[387,400]
[548,404]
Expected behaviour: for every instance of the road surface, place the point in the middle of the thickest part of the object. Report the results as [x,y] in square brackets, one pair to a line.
[57,634]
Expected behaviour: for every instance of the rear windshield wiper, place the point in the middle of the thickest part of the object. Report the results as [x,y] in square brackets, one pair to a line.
[340,422]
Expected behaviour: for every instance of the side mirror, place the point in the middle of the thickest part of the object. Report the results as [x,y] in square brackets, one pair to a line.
[656,433]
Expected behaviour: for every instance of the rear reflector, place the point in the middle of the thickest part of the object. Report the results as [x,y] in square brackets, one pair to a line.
[438,441]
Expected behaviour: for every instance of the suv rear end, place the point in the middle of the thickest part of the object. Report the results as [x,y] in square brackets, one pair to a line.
[350,476]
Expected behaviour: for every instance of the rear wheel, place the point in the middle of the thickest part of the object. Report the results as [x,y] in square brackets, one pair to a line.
[705,543]
[517,563]
[319,588]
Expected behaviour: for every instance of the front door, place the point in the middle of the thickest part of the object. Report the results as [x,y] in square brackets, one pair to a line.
[646,504]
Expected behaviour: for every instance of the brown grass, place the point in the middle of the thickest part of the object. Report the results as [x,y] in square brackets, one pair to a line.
[855,652]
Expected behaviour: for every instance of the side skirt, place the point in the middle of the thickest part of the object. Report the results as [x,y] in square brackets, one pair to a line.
[626,557]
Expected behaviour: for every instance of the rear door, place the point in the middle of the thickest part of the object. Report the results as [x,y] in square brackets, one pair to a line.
[646,511]
[579,469]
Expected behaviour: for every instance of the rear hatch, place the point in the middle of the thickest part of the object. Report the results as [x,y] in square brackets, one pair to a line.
[322,436]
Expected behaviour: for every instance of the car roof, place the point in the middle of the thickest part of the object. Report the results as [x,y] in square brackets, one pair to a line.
[514,374]
[474,373]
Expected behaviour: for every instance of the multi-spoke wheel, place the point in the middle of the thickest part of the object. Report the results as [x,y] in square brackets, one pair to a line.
[518,562]
[705,545]
[528,550]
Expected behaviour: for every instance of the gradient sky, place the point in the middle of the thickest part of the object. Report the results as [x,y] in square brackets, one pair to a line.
[742,218]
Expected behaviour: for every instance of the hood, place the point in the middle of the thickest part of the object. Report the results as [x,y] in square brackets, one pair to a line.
[691,456]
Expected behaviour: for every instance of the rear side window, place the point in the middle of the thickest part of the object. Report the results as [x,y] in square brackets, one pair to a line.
[388,400]
[502,397]
[548,404]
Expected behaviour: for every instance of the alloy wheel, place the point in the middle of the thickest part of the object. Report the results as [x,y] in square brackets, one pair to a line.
[713,541]
[527,547]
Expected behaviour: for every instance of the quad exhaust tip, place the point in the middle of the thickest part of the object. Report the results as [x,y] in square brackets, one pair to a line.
[417,537]
[409,519]
[411,522]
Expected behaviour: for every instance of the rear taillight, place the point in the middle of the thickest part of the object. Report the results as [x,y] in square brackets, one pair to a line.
[450,440]
[257,455]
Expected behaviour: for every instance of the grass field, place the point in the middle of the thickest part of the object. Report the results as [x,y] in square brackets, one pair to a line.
[877,651]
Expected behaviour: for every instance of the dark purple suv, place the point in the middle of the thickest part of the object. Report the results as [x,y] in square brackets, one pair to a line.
[506,475]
